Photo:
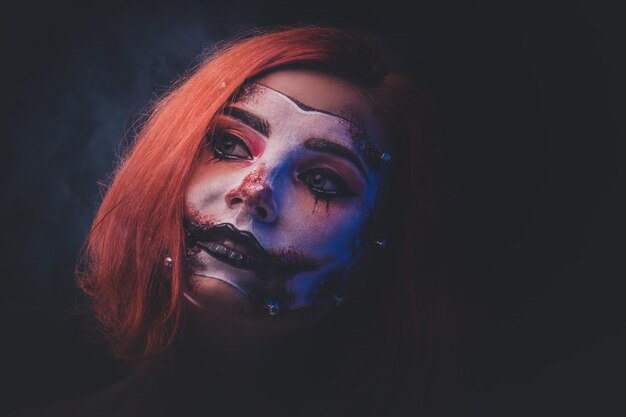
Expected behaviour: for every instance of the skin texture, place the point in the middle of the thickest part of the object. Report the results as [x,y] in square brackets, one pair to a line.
[263,175]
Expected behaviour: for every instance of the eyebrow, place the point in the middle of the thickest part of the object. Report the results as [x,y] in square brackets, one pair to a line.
[255,122]
[314,144]
[371,152]
[333,148]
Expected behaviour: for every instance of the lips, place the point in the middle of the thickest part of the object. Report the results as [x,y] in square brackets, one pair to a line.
[242,250]
[231,246]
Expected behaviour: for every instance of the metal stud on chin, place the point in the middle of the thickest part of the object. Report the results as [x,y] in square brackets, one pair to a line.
[271,307]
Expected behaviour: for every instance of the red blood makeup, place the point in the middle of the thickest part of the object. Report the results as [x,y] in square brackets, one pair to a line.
[273,159]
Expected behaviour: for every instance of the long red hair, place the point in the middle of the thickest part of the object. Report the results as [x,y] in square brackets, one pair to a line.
[139,302]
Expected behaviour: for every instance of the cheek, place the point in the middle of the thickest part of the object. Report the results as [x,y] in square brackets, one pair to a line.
[331,235]
[329,230]
[208,187]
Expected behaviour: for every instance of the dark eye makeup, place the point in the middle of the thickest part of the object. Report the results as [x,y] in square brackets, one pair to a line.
[228,146]
[325,184]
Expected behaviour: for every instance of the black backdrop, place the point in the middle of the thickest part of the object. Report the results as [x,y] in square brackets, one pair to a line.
[530,102]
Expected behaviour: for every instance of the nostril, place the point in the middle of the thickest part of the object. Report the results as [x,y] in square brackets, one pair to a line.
[261,212]
[236,200]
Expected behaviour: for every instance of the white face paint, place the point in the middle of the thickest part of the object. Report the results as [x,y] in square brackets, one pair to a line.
[294,177]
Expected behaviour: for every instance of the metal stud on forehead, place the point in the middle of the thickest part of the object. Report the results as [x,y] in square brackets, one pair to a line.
[373,154]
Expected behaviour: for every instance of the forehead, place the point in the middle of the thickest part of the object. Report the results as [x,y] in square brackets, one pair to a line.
[284,113]
[287,116]
[314,90]
[326,93]
[305,100]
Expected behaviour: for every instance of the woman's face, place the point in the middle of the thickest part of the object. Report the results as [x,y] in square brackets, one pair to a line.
[279,205]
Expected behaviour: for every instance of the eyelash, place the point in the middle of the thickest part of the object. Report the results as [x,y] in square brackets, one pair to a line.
[223,155]
[306,177]
[342,190]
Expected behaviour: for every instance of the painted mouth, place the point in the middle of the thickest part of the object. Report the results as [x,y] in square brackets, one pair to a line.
[242,250]
[234,247]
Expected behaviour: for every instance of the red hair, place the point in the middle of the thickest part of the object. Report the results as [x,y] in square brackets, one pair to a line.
[140,219]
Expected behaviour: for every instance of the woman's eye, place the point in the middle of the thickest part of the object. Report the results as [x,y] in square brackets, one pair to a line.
[229,146]
[325,184]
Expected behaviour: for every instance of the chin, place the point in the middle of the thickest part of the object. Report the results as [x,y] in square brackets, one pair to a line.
[220,307]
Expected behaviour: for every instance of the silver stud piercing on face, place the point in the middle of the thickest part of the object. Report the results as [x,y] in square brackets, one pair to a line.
[271,307]
[339,300]
[168,262]
[380,244]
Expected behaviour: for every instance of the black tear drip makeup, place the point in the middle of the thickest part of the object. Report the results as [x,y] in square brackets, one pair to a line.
[271,161]
[316,199]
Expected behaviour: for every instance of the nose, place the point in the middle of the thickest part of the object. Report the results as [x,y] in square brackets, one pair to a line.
[254,194]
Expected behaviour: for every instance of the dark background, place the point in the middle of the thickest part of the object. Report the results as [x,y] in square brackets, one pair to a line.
[529,98]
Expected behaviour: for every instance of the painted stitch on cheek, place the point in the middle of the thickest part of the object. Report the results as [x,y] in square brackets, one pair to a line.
[201,219]
[291,260]
[196,222]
